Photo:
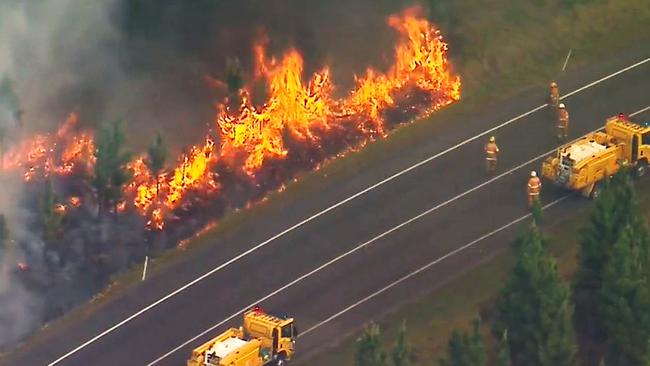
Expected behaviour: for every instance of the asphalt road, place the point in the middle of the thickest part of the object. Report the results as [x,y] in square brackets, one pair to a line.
[350,278]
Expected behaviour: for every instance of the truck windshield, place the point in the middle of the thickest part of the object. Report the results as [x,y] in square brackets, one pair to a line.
[566,161]
[288,331]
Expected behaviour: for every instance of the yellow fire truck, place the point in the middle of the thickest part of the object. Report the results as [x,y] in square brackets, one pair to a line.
[264,339]
[582,164]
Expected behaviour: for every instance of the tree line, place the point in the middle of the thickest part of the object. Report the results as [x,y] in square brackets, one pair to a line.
[602,317]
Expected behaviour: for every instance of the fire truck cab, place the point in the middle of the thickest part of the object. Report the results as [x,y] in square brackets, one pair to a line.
[264,339]
[582,164]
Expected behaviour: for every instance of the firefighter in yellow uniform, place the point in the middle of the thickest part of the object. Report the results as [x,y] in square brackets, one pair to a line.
[563,122]
[491,154]
[554,95]
[534,188]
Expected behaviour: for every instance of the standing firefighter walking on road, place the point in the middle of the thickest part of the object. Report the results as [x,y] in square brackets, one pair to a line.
[491,155]
[562,122]
[533,189]
[554,95]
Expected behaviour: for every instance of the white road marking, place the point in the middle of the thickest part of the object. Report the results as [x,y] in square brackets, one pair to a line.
[567,59]
[425,267]
[385,233]
[316,215]
[640,111]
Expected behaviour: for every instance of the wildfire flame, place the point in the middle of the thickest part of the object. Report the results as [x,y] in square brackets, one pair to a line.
[307,113]
[156,196]
[307,110]
[60,153]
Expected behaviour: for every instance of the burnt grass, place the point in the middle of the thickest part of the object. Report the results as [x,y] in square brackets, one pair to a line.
[93,246]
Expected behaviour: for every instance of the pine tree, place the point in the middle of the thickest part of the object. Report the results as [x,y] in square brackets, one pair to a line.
[503,357]
[156,156]
[535,307]
[51,220]
[234,75]
[369,350]
[9,99]
[625,298]
[465,349]
[401,351]
[4,231]
[613,209]
[110,168]
[3,137]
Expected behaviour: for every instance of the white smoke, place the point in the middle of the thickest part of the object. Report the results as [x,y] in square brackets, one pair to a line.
[21,310]
[60,55]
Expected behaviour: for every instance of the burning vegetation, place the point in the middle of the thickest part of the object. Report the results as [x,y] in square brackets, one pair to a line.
[300,125]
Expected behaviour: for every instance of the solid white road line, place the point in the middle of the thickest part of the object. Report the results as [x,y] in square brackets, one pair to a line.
[567,59]
[316,215]
[357,248]
[640,111]
[425,267]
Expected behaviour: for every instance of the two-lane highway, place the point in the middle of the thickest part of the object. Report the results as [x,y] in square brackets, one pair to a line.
[344,254]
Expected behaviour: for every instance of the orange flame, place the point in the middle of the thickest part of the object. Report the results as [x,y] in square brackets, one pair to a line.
[75,201]
[60,153]
[258,134]
[250,137]
[156,196]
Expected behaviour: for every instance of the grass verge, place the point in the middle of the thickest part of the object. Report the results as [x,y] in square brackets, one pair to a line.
[432,318]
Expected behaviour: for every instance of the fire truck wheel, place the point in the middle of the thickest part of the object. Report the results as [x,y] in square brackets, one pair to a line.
[641,169]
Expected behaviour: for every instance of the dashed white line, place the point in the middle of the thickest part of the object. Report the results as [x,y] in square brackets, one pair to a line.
[316,215]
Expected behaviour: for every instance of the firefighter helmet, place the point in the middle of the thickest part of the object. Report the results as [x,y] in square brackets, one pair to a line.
[561,106]
[533,174]
[492,139]
[553,84]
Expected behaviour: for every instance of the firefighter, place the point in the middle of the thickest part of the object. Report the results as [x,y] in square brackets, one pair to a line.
[563,122]
[554,95]
[534,188]
[491,154]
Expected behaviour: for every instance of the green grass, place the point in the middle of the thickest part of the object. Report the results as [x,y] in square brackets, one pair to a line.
[431,318]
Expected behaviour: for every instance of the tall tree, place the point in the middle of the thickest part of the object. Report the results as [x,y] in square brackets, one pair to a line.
[401,350]
[625,298]
[3,137]
[51,220]
[535,308]
[9,98]
[4,232]
[612,210]
[503,356]
[465,349]
[369,350]
[156,157]
[234,75]
[110,168]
